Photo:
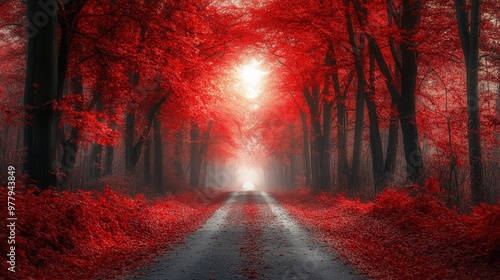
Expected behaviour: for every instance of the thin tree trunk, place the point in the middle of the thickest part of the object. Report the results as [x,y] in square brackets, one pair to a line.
[358,137]
[314,165]
[293,167]
[312,98]
[306,153]
[342,161]
[327,137]
[108,160]
[195,156]
[71,145]
[147,163]
[179,143]
[392,145]
[130,152]
[375,139]
[95,168]
[158,158]
[357,52]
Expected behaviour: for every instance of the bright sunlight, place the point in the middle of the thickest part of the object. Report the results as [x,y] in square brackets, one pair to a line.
[248,186]
[251,76]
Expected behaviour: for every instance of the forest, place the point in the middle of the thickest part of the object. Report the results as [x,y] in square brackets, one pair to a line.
[127,125]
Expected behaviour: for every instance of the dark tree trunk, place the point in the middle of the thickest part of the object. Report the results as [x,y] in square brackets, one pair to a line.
[340,97]
[133,151]
[291,156]
[95,168]
[327,137]
[71,145]
[131,156]
[203,172]
[306,153]
[204,144]
[195,156]
[158,158]
[317,139]
[287,176]
[293,167]
[469,37]
[179,143]
[357,52]
[358,136]
[312,99]
[40,90]
[413,154]
[108,160]
[406,96]
[314,165]
[147,162]
[392,145]
[375,139]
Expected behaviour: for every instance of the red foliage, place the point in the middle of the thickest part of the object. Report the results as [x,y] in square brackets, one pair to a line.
[404,234]
[93,235]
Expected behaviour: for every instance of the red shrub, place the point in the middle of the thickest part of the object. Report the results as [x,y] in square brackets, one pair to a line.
[88,235]
[404,234]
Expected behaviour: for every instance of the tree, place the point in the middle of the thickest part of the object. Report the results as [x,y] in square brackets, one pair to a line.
[469,37]
[40,92]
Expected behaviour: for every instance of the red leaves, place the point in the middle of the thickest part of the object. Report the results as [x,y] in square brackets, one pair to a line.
[86,235]
[403,236]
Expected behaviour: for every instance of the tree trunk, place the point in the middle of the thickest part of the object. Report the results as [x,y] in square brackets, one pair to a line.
[318,142]
[40,91]
[133,151]
[469,37]
[306,153]
[293,166]
[147,163]
[195,156]
[108,160]
[342,161]
[312,98]
[413,154]
[375,139]
[406,96]
[131,156]
[314,164]
[179,143]
[158,158]
[95,168]
[327,137]
[392,146]
[204,170]
[358,137]
[357,52]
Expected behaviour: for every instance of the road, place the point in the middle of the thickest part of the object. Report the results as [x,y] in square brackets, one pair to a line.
[249,237]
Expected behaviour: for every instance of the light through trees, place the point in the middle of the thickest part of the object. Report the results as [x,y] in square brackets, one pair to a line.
[251,78]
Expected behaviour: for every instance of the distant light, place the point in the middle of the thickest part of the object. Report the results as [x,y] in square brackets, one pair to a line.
[252,75]
[248,186]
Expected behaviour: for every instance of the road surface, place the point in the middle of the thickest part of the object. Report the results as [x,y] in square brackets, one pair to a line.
[249,237]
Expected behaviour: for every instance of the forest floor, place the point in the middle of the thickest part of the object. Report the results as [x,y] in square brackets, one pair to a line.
[250,237]
[403,234]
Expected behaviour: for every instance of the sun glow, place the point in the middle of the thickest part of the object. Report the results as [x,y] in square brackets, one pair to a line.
[251,77]
[248,186]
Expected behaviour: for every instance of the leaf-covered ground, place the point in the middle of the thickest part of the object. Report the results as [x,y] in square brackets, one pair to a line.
[92,235]
[403,234]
